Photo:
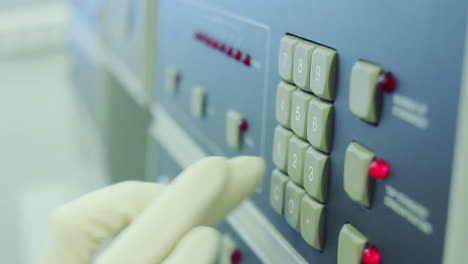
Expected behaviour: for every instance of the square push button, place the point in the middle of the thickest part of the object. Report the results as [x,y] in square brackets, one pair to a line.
[322,73]
[351,244]
[302,60]
[286,57]
[364,96]
[280,147]
[296,154]
[198,101]
[233,133]
[292,204]
[277,186]
[300,106]
[320,124]
[312,222]
[316,167]
[284,94]
[356,173]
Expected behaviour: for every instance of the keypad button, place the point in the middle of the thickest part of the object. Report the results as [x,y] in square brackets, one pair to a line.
[356,173]
[312,222]
[277,187]
[233,134]
[172,79]
[316,169]
[280,147]
[286,57]
[198,101]
[351,244]
[300,106]
[302,60]
[364,95]
[322,73]
[284,96]
[296,154]
[292,204]
[320,124]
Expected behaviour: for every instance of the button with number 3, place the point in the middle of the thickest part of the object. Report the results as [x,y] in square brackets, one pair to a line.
[322,73]
[316,166]
[302,60]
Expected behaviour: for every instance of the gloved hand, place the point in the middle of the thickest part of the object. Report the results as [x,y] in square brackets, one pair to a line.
[157,223]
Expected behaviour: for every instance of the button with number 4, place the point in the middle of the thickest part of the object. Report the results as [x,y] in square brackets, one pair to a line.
[284,94]
[300,106]
[322,73]
[316,166]
[302,58]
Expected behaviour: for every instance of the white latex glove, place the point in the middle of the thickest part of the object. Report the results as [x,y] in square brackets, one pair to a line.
[158,224]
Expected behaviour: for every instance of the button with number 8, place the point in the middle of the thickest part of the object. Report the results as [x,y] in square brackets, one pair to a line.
[302,60]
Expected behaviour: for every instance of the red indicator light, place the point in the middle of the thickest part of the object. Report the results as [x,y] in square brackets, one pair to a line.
[247,60]
[222,47]
[236,256]
[244,125]
[230,51]
[379,169]
[387,82]
[238,55]
[371,255]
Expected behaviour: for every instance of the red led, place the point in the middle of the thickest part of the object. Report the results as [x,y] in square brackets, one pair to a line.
[247,60]
[244,125]
[236,256]
[222,47]
[387,82]
[230,51]
[379,169]
[238,55]
[371,255]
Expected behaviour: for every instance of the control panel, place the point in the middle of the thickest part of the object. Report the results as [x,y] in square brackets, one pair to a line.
[353,104]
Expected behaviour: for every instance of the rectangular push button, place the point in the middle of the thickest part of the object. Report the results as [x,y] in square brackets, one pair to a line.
[312,222]
[284,94]
[322,73]
[280,147]
[292,204]
[277,186]
[172,78]
[351,244]
[356,173]
[316,168]
[233,132]
[320,124]
[296,154]
[300,106]
[286,57]
[364,96]
[302,60]
[198,101]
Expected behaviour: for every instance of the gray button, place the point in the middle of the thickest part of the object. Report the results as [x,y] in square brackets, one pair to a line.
[312,222]
[233,133]
[351,244]
[277,187]
[296,154]
[172,79]
[316,169]
[292,204]
[198,101]
[280,147]
[286,57]
[300,106]
[322,73]
[320,124]
[284,96]
[356,173]
[302,59]
[364,95]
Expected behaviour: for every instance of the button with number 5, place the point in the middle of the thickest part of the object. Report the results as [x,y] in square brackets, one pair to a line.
[322,73]
[302,58]
[300,106]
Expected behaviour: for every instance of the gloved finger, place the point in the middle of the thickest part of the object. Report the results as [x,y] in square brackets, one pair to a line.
[79,226]
[199,246]
[182,206]
[187,203]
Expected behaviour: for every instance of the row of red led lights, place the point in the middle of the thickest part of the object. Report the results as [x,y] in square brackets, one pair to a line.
[236,54]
